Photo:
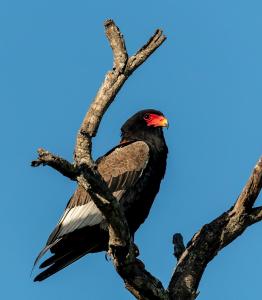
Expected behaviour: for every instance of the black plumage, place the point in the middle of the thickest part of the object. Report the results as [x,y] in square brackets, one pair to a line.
[133,171]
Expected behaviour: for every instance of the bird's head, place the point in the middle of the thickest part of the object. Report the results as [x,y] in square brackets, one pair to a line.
[145,125]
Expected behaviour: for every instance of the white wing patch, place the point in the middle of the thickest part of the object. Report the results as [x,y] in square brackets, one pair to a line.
[111,169]
[80,216]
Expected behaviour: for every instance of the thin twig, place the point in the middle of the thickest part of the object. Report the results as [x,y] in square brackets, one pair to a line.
[179,246]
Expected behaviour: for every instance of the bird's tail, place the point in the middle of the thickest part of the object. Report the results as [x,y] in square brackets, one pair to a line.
[58,262]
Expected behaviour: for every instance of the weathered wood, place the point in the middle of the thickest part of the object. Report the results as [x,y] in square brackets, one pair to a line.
[123,252]
[212,237]
[58,163]
[179,246]
[205,244]
[123,67]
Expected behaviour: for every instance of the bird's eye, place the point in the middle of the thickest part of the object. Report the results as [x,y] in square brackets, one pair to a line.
[146,116]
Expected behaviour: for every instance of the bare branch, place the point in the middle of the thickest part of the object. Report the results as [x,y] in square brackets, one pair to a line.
[114,80]
[140,282]
[204,245]
[117,44]
[153,43]
[94,183]
[56,162]
[119,235]
[122,249]
[212,237]
[251,190]
[240,213]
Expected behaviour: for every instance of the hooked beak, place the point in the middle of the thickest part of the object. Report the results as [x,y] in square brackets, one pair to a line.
[164,122]
[157,121]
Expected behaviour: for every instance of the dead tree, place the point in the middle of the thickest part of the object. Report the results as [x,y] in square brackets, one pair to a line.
[193,258]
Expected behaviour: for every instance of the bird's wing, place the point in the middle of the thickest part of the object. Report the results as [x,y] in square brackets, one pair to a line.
[121,168]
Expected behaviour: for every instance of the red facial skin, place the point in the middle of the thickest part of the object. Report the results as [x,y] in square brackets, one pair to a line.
[155,120]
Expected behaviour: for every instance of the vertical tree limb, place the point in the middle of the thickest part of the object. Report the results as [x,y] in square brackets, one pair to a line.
[204,245]
[140,282]
[123,67]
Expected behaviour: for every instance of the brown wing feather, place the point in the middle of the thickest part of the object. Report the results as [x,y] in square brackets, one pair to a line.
[121,169]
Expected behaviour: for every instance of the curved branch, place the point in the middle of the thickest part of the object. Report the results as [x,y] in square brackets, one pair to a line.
[123,252]
[212,237]
[204,245]
[114,80]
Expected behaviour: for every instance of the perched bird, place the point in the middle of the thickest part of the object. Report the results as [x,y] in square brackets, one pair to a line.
[133,171]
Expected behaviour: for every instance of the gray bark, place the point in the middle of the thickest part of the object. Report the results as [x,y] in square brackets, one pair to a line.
[204,245]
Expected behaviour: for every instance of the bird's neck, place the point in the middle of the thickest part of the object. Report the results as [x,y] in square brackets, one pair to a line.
[155,142]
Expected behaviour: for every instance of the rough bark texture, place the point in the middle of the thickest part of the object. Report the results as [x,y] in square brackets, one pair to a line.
[205,244]
[179,246]
[212,237]
[123,67]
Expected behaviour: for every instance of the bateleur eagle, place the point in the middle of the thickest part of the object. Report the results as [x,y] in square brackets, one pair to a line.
[133,171]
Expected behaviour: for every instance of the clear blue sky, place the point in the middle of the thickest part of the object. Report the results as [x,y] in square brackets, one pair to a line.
[206,78]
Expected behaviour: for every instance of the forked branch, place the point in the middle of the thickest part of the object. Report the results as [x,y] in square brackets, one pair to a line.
[212,237]
[123,67]
[140,282]
[205,244]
